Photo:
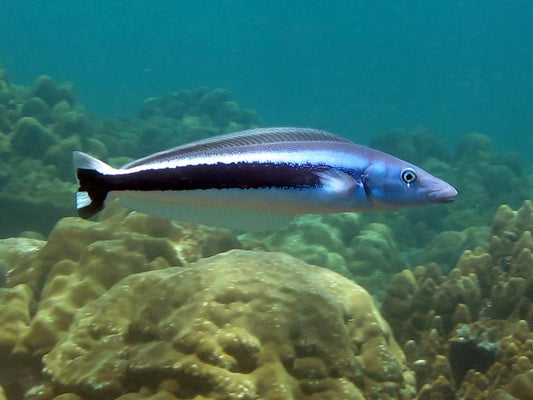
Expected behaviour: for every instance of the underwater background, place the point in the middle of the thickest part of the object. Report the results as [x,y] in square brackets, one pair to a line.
[430,302]
[353,67]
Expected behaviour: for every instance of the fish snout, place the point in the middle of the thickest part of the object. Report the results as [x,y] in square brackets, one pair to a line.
[443,193]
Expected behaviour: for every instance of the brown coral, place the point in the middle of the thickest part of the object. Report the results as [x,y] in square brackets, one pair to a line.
[82,259]
[245,325]
[479,316]
[14,315]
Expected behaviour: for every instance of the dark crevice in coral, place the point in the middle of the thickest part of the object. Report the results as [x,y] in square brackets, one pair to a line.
[19,373]
[310,387]
[305,349]
[246,358]
[187,385]
[184,347]
[469,354]
[288,362]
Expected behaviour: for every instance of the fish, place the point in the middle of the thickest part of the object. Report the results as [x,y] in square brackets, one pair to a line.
[258,179]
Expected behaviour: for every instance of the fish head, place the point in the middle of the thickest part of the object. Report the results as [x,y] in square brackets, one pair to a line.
[394,183]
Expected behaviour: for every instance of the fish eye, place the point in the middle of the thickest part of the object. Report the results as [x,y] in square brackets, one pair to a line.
[408,176]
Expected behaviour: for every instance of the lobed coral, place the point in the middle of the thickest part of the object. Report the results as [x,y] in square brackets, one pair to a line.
[247,325]
[44,284]
[340,242]
[468,332]
[242,324]
[106,330]
[83,259]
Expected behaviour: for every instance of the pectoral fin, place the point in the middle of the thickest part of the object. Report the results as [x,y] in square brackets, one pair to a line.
[339,182]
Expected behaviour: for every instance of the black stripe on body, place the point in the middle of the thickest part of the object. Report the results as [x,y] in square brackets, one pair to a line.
[212,176]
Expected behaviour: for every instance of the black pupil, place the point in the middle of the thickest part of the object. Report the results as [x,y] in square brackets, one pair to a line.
[408,176]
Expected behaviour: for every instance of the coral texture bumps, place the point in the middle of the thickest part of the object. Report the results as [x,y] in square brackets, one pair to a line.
[239,325]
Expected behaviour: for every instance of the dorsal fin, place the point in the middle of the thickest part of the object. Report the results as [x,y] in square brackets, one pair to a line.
[242,138]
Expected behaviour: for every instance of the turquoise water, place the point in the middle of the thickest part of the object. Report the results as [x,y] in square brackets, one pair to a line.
[357,68]
[445,85]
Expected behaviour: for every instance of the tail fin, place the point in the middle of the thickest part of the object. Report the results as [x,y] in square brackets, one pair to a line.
[92,189]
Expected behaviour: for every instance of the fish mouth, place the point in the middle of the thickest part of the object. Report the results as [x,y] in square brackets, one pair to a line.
[442,195]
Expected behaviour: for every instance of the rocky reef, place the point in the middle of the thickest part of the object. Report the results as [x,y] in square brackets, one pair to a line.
[467,333]
[130,308]
[135,307]
[227,328]
[364,252]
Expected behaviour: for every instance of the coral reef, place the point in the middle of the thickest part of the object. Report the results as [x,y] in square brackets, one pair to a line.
[365,253]
[445,247]
[41,126]
[320,240]
[33,197]
[83,259]
[174,119]
[17,258]
[30,138]
[467,333]
[44,284]
[227,327]
[190,115]
[242,324]
[34,193]
[14,314]
[129,307]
